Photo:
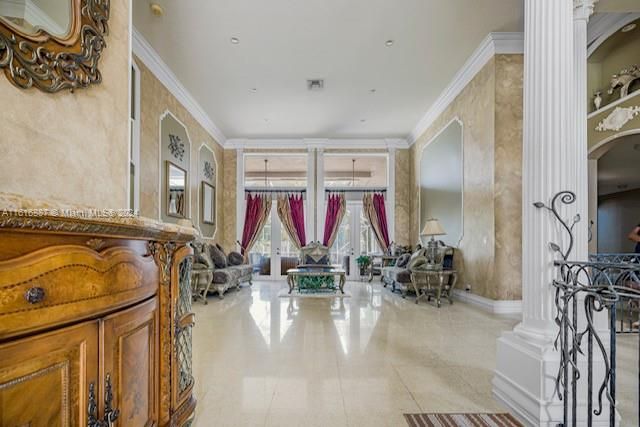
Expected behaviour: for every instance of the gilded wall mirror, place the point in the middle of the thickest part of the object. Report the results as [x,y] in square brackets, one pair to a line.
[52,44]
[176,191]
[208,203]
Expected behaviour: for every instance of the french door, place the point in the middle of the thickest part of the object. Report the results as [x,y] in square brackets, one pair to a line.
[354,238]
[274,252]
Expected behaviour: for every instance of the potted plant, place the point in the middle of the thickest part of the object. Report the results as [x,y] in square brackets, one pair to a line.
[364,261]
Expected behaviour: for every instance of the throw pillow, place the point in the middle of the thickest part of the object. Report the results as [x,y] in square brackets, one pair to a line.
[218,257]
[403,260]
[417,263]
[235,258]
[221,249]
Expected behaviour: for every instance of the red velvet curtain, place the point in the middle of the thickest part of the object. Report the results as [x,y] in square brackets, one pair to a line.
[296,203]
[376,213]
[256,214]
[336,207]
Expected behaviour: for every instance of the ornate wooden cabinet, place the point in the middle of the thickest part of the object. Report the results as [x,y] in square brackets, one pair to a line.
[95,323]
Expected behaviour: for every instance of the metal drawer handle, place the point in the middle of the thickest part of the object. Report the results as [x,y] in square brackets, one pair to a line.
[110,414]
[34,295]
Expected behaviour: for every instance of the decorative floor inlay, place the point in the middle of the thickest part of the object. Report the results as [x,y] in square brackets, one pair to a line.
[461,420]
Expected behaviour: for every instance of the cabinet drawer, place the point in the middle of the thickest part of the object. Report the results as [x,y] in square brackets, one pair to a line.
[65,283]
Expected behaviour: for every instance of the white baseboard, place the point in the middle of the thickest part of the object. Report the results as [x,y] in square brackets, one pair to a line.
[492,306]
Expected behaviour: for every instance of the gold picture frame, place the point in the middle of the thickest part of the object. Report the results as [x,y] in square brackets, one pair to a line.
[176,197]
[208,203]
[53,63]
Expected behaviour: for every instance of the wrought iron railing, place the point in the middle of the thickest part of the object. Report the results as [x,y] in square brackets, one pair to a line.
[627,309]
[586,340]
[583,290]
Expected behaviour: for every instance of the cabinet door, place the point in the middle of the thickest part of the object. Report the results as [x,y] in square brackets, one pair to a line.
[44,380]
[184,319]
[130,350]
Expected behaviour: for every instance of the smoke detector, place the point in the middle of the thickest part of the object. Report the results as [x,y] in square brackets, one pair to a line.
[315,84]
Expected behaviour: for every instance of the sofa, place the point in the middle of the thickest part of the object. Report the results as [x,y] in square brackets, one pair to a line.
[229,270]
[398,277]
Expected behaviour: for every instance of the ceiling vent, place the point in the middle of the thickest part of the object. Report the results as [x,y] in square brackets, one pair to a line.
[315,84]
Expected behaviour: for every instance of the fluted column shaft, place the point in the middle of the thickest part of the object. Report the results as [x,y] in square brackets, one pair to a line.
[582,11]
[549,153]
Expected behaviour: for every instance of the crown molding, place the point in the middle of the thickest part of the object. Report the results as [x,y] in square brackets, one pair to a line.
[317,143]
[147,54]
[493,44]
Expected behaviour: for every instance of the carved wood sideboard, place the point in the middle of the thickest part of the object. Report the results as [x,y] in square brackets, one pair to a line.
[95,323]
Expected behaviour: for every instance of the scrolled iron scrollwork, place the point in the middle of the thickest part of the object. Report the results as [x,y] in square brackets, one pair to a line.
[596,287]
[566,197]
[52,64]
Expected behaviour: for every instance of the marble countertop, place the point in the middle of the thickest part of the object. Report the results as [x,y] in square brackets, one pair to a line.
[17,210]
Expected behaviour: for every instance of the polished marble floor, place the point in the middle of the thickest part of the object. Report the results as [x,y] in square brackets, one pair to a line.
[261,360]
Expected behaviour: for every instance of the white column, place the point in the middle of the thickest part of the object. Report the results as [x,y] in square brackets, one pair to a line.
[527,363]
[582,12]
[310,228]
[240,203]
[320,208]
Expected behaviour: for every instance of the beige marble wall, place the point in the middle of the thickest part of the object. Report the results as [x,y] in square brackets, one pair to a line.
[155,99]
[508,177]
[228,237]
[403,198]
[490,247]
[72,147]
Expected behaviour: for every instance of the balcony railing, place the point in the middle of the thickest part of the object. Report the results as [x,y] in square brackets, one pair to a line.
[583,290]
[587,298]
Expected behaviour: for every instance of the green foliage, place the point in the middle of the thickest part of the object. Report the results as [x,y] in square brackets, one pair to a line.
[363,260]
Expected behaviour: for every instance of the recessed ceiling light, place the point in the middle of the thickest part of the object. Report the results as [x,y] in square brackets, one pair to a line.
[629,27]
[235,40]
[388,43]
[156,9]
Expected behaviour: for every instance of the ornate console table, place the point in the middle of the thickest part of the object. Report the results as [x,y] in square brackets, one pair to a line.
[324,276]
[95,316]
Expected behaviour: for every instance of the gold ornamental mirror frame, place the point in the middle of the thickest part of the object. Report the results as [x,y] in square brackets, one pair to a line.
[55,63]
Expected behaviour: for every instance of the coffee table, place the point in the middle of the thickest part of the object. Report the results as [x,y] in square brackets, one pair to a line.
[294,275]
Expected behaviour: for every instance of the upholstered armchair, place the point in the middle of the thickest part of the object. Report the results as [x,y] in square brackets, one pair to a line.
[315,254]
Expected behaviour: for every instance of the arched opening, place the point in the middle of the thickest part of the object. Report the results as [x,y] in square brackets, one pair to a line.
[614,193]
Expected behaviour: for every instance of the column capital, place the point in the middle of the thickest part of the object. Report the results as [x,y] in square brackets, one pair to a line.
[583,9]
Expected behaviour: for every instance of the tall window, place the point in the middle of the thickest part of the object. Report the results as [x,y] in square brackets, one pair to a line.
[134,139]
[355,171]
[275,171]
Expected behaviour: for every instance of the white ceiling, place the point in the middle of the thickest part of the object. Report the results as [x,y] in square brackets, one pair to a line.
[618,169]
[285,42]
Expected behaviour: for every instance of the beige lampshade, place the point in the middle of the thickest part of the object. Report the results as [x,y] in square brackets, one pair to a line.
[432,228]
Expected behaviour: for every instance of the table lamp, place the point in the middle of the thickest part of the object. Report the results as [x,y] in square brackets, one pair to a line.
[432,228]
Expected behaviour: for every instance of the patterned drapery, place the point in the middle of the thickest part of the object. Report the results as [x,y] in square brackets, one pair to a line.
[374,209]
[336,208]
[256,214]
[291,213]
